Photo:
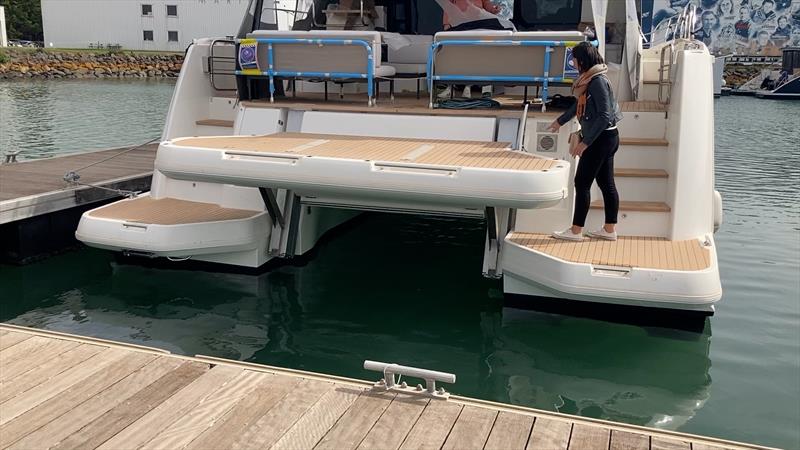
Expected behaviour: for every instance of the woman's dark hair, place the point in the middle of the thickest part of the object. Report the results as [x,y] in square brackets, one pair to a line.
[587,56]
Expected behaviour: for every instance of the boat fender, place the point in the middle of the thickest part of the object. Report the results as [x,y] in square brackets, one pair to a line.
[717,210]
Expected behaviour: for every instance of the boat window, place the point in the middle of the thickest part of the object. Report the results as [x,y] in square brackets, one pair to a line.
[549,15]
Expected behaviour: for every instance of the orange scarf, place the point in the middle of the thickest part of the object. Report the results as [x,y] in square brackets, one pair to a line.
[581,85]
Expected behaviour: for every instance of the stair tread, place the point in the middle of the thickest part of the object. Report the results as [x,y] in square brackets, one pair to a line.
[642,106]
[650,142]
[636,206]
[215,123]
[641,173]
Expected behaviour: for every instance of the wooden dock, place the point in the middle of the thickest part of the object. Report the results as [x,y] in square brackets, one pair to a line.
[39,211]
[62,391]
[36,187]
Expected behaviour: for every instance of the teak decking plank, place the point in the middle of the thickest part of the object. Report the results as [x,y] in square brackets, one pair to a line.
[625,440]
[85,403]
[510,431]
[12,338]
[172,409]
[471,429]
[140,403]
[357,421]
[31,361]
[246,413]
[71,377]
[587,437]
[187,428]
[317,421]
[661,443]
[46,370]
[273,425]
[550,434]
[395,423]
[433,426]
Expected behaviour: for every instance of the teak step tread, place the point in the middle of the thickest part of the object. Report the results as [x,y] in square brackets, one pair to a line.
[215,123]
[169,211]
[636,206]
[628,251]
[643,106]
[649,142]
[641,173]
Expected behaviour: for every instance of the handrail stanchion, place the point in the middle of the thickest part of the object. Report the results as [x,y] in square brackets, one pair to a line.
[271,70]
[547,50]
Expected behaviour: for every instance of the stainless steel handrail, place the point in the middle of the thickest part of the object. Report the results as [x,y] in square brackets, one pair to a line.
[212,59]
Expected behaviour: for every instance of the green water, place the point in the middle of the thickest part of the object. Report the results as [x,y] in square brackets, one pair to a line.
[408,289]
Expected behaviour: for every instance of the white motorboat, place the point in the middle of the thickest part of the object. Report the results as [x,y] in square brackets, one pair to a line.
[245,175]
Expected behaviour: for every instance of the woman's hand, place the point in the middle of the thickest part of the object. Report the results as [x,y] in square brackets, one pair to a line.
[554,127]
[577,152]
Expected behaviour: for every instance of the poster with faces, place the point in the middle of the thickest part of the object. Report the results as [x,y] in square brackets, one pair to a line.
[741,27]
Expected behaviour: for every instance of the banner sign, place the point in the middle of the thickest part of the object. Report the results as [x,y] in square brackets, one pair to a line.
[248,54]
[570,71]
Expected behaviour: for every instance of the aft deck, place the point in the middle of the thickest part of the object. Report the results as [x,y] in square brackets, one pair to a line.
[495,155]
[64,391]
[627,251]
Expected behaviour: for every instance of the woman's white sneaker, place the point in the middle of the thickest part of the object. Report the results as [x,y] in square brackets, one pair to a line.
[568,235]
[603,234]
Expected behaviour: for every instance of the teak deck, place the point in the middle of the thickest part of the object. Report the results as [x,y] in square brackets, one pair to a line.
[61,391]
[627,251]
[169,211]
[496,155]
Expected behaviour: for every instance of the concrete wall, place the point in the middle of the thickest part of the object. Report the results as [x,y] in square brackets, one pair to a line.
[77,23]
[3,36]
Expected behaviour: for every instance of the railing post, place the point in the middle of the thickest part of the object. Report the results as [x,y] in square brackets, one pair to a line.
[547,50]
[270,72]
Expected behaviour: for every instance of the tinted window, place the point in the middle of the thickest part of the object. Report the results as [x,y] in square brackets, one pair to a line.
[172,10]
[532,14]
[172,36]
[147,10]
[148,35]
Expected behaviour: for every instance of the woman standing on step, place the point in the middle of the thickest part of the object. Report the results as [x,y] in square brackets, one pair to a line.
[598,114]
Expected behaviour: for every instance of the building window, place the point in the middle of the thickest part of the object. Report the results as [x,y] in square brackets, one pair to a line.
[147,10]
[172,36]
[148,35]
[172,10]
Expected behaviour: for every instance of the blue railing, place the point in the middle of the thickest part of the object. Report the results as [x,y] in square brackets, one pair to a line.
[545,78]
[369,75]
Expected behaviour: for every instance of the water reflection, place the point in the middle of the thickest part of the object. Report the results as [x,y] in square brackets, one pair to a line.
[289,317]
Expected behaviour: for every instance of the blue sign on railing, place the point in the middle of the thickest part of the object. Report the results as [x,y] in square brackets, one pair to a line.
[570,71]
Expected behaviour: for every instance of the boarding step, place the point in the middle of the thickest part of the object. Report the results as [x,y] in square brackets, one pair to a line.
[643,120]
[627,251]
[215,123]
[640,218]
[639,184]
[642,153]
[175,228]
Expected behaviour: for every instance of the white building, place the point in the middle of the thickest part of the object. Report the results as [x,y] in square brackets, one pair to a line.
[3,36]
[138,24]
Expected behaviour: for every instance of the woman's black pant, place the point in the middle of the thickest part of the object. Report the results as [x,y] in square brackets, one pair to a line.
[597,163]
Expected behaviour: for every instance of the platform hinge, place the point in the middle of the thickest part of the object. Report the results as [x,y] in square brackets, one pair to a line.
[499,222]
[285,221]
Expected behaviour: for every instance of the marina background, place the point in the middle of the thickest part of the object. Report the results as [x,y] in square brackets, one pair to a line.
[408,289]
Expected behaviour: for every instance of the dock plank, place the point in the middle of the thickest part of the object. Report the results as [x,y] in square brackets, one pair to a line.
[510,431]
[471,429]
[31,361]
[549,433]
[433,426]
[192,425]
[83,404]
[395,423]
[312,426]
[70,377]
[264,397]
[273,425]
[12,338]
[171,409]
[625,440]
[588,437]
[662,443]
[353,426]
[123,414]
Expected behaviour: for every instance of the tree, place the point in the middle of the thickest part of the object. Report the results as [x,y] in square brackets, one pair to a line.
[23,19]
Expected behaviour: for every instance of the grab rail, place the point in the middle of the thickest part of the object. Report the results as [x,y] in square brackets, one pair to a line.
[545,79]
[272,73]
